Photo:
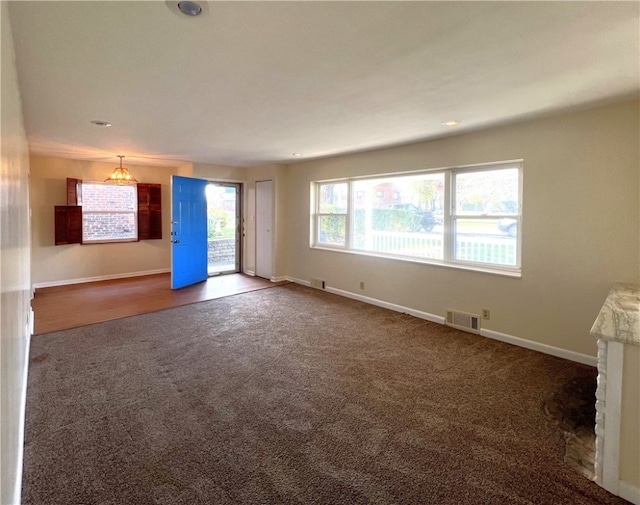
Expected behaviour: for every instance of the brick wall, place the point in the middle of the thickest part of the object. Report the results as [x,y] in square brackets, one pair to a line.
[111,197]
[108,211]
[221,249]
[108,226]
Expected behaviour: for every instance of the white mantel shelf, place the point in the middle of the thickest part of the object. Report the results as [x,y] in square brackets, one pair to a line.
[616,327]
[619,318]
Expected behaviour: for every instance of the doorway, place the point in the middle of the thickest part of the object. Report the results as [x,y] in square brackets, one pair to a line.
[264,225]
[223,228]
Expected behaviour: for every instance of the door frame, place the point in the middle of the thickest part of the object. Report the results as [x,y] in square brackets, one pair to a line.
[239,219]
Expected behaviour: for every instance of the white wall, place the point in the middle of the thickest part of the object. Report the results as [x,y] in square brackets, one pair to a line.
[53,264]
[14,272]
[580,226]
[220,173]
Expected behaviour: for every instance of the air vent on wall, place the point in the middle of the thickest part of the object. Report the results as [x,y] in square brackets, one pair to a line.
[463,321]
[317,283]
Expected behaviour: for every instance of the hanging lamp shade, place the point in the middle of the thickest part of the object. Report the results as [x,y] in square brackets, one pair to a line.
[121,175]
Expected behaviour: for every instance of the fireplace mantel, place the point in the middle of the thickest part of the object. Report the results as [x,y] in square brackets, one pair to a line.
[617,330]
[619,318]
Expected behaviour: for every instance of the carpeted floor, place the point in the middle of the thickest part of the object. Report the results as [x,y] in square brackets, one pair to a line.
[293,396]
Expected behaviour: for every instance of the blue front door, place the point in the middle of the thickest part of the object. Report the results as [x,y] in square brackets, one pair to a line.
[188,231]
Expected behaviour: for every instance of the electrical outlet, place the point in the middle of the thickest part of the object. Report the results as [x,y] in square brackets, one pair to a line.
[486,314]
[361,285]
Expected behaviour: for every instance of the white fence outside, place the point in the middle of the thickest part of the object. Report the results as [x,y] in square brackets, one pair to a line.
[478,248]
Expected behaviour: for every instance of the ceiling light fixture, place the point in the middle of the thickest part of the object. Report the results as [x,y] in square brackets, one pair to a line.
[98,122]
[121,175]
[296,154]
[453,122]
[189,8]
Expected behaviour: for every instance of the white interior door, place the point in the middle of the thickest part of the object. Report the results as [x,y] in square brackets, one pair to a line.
[264,229]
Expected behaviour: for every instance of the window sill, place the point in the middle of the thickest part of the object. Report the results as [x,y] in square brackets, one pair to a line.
[109,241]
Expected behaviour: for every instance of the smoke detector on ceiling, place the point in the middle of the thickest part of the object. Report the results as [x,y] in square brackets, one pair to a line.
[188,8]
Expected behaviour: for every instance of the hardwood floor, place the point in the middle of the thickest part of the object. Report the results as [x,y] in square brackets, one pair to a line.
[64,307]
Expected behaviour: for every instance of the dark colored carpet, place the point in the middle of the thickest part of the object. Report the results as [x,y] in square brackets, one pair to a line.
[293,395]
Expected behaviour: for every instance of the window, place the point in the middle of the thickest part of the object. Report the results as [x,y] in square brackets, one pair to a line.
[109,212]
[485,216]
[467,217]
[399,229]
[332,213]
[97,212]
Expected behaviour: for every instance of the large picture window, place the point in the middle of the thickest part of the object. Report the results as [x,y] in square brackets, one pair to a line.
[466,216]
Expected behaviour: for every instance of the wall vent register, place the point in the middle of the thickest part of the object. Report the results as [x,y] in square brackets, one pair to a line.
[463,321]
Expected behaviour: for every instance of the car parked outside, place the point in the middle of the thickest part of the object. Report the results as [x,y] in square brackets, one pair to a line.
[427,219]
[508,226]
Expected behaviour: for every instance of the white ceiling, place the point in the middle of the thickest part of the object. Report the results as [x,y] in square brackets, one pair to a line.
[249,83]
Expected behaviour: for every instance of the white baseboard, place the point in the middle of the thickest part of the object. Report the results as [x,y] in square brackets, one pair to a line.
[299,281]
[31,322]
[250,272]
[543,348]
[629,492]
[17,490]
[99,278]
[391,306]
[374,301]
[502,337]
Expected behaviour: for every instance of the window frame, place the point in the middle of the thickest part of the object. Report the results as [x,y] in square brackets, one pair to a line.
[133,212]
[345,215]
[68,226]
[450,218]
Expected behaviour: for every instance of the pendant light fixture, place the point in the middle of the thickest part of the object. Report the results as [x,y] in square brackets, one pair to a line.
[121,175]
